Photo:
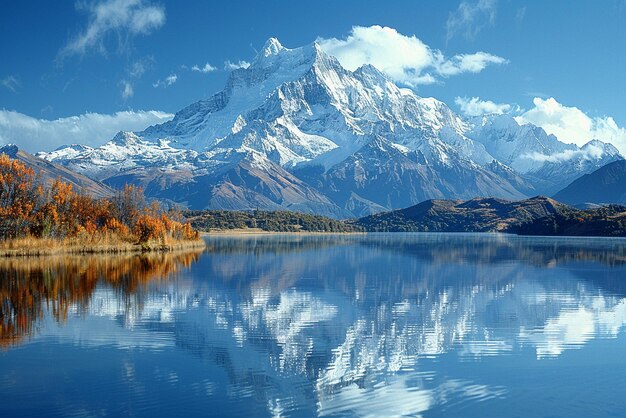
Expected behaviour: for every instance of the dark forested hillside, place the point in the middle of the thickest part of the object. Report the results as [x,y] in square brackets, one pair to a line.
[476,215]
[278,221]
[535,216]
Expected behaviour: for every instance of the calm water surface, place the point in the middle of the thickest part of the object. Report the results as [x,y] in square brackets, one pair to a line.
[352,325]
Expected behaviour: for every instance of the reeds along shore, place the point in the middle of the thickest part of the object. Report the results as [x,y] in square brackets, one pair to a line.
[38,219]
[97,244]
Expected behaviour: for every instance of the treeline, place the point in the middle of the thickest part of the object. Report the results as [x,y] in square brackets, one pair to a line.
[535,216]
[606,221]
[279,221]
[30,209]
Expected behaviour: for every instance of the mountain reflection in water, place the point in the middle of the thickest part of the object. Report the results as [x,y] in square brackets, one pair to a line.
[378,324]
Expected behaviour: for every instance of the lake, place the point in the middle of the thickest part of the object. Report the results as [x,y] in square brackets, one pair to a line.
[327,325]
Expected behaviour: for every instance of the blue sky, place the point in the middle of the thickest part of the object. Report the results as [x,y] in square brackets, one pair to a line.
[95,64]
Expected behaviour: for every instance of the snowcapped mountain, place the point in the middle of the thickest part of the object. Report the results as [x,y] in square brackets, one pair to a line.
[296,130]
[544,160]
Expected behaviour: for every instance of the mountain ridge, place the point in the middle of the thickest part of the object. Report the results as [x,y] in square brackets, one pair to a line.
[345,142]
[602,186]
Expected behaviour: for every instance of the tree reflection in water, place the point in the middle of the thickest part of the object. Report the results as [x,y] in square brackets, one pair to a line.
[33,287]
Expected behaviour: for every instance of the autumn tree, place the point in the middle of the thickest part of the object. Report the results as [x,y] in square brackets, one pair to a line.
[58,211]
[19,197]
[128,204]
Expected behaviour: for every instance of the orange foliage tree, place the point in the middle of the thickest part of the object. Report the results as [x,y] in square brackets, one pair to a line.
[19,197]
[27,208]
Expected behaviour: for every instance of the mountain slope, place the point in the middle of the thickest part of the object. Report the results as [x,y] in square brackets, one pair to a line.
[49,172]
[351,141]
[242,180]
[381,173]
[605,185]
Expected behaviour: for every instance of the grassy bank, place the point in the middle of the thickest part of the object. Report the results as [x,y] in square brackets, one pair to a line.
[32,246]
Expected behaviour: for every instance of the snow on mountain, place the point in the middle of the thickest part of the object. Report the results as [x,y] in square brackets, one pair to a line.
[335,136]
[516,145]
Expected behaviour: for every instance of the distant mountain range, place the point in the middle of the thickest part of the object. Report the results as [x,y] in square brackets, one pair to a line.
[297,131]
[533,216]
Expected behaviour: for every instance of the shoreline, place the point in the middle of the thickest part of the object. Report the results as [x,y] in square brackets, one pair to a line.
[51,248]
[258,231]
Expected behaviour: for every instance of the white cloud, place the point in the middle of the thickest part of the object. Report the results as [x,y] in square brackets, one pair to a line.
[470,18]
[92,129]
[169,80]
[126,18]
[588,153]
[207,68]
[11,83]
[134,72]
[477,107]
[230,66]
[127,89]
[139,67]
[468,63]
[406,59]
[571,124]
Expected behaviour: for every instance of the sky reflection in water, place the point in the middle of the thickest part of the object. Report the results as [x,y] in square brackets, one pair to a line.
[428,324]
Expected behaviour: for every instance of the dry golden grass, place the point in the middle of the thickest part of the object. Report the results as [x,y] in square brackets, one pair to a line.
[85,244]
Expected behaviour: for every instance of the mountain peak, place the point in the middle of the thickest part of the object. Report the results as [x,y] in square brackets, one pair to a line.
[123,138]
[604,147]
[369,72]
[9,149]
[272,47]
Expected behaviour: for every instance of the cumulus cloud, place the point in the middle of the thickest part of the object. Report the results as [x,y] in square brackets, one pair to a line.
[32,134]
[126,18]
[168,81]
[476,107]
[207,68]
[406,59]
[571,124]
[230,66]
[470,18]
[11,83]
